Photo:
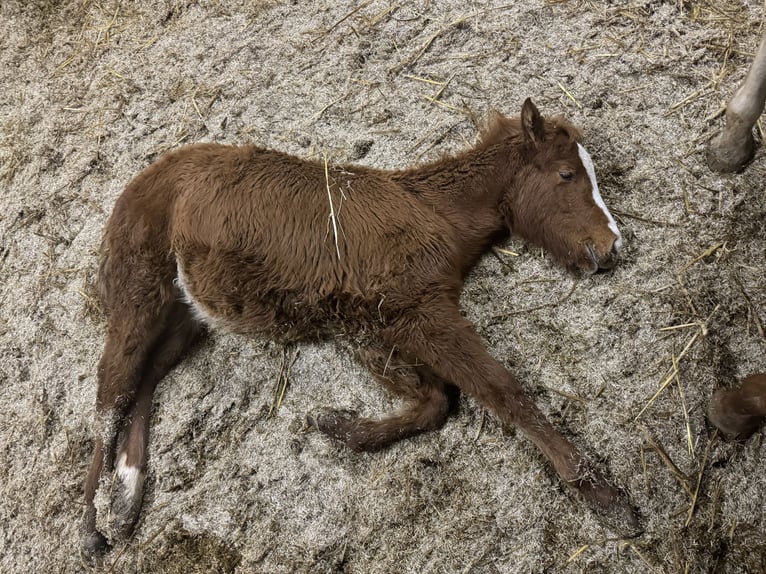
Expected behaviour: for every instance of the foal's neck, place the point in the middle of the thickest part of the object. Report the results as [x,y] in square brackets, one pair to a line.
[467,190]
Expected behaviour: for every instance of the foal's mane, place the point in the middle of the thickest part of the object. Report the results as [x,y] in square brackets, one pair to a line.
[500,128]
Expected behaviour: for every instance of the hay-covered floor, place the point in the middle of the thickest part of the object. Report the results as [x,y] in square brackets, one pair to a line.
[91,92]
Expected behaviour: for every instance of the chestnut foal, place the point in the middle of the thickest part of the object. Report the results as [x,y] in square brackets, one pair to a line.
[258,242]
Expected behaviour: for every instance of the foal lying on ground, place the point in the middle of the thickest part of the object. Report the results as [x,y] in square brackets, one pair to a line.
[258,242]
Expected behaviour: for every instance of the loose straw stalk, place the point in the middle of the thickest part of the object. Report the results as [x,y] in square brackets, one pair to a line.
[332,208]
[673,371]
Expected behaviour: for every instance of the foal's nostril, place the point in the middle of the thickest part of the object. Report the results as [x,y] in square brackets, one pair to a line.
[609,260]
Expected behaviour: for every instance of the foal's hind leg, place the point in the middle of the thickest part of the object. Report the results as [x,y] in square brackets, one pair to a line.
[143,342]
[425,408]
[129,339]
[180,331]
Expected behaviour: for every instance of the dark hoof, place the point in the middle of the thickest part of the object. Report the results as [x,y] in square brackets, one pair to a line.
[94,546]
[727,155]
[337,424]
[125,507]
[610,505]
[741,411]
[620,517]
[733,425]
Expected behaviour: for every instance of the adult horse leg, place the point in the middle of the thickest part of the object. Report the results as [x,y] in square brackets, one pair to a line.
[734,146]
[438,335]
[426,403]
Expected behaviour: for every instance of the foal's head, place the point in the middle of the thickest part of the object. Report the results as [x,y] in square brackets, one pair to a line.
[553,201]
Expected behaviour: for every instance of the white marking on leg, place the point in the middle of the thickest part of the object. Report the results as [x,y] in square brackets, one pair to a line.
[591,171]
[131,477]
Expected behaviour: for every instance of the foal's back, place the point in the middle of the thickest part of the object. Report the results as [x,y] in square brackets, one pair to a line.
[264,241]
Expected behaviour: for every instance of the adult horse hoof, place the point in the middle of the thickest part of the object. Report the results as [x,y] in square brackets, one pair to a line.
[727,155]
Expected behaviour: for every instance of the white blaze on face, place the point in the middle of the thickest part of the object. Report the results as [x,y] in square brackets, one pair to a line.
[591,171]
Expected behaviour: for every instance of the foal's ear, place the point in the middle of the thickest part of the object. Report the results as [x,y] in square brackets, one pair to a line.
[532,124]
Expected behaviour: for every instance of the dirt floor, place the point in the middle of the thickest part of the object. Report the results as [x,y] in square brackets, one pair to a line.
[92,92]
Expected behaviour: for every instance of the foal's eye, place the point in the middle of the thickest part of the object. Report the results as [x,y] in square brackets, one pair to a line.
[566,175]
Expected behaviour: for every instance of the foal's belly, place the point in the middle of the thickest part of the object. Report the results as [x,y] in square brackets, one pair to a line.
[236,303]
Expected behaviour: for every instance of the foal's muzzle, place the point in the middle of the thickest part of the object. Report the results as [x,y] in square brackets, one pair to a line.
[611,259]
[603,262]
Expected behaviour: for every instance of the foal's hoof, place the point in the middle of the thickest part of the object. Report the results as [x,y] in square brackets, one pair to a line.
[610,505]
[93,547]
[620,517]
[740,411]
[123,516]
[734,425]
[337,424]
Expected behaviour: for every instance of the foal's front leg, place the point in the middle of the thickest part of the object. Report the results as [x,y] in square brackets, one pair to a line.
[425,408]
[440,337]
